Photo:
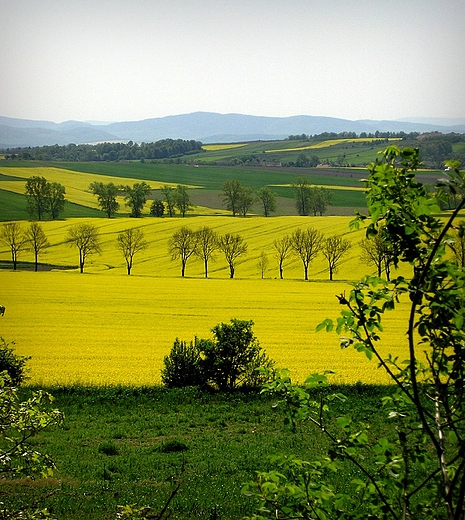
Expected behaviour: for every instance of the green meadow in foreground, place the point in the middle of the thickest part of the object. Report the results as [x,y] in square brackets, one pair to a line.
[132,446]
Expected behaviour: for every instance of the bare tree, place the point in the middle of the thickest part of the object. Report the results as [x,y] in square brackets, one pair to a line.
[207,244]
[377,251]
[334,248]
[37,240]
[232,246]
[131,241]
[183,244]
[263,263]
[86,238]
[307,244]
[12,235]
[283,247]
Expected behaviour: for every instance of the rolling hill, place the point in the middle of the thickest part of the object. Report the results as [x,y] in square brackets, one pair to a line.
[207,127]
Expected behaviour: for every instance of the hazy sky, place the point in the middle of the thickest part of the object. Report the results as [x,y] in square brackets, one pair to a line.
[114,60]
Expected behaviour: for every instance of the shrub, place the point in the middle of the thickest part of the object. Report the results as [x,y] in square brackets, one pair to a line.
[12,364]
[182,367]
[232,359]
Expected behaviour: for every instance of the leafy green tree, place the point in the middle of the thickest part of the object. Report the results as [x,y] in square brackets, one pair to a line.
[12,236]
[283,250]
[333,249]
[183,244]
[136,197]
[228,359]
[419,471]
[106,196]
[37,196]
[319,199]
[307,244]
[268,199]
[183,366]
[157,209]
[170,199]
[37,240]
[232,192]
[183,201]
[302,196]
[233,246]
[246,200]
[131,241]
[86,238]
[207,245]
[55,199]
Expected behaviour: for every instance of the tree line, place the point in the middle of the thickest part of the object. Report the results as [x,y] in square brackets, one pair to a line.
[162,149]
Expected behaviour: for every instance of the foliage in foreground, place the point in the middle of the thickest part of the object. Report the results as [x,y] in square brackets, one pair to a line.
[12,364]
[230,360]
[19,422]
[420,471]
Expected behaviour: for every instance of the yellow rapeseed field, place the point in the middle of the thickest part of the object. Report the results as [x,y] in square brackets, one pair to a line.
[334,142]
[104,327]
[76,183]
[217,147]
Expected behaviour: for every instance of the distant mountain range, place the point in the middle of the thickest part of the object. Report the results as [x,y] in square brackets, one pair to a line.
[207,127]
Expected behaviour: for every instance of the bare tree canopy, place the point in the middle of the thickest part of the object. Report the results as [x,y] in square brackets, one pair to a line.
[307,244]
[86,238]
[183,244]
[232,246]
[129,242]
[12,235]
[283,247]
[207,245]
[37,240]
[334,248]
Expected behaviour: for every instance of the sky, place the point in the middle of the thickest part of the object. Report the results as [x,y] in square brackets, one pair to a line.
[128,60]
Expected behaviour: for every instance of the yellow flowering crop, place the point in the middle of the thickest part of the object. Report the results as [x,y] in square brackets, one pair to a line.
[104,327]
[334,142]
[217,147]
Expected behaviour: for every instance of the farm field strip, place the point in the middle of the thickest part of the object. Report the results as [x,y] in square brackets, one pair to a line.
[217,147]
[76,183]
[334,142]
[258,232]
[110,330]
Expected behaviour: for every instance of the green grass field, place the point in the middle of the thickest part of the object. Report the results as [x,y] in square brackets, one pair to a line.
[119,446]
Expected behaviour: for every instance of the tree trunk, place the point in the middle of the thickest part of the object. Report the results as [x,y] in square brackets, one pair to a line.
[37,262]
[231,271]
[206,268]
